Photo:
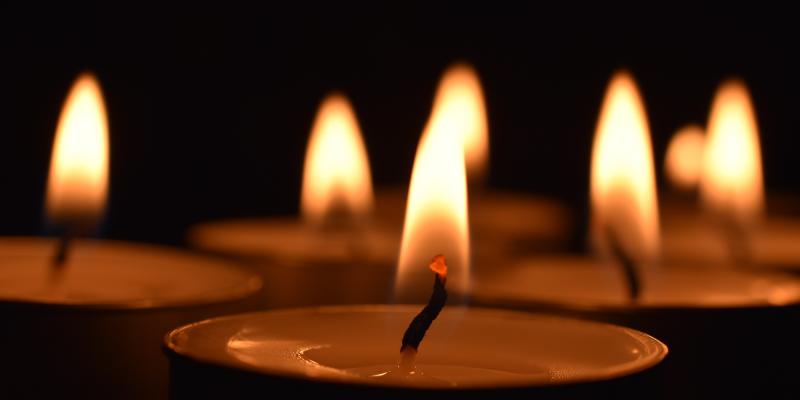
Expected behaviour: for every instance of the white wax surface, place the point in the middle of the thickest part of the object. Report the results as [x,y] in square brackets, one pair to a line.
[110,274]
[465,348]
[289,240]
[586,283]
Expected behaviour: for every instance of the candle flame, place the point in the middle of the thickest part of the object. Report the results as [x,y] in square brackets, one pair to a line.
[684,160]
[436,213]
[78,179]
[731,181]
[623,194]
[459,101]
[336,175]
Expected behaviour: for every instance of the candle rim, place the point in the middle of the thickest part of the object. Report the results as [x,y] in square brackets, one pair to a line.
[174,346]
[251,285]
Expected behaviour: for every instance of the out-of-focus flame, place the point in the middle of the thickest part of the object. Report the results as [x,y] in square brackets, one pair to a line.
[436,214]
[459,103]
[623,193]
[731,182]
[336,175]
[78,181]
[684,160]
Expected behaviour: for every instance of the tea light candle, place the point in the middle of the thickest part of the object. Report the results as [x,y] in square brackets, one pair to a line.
[730,228]
[339,351]
[702,313]
[84,318]
[94,331]
[337,252]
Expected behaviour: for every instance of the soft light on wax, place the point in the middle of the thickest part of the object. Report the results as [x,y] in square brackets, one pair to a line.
[63,299]
[698,311]
[352,351]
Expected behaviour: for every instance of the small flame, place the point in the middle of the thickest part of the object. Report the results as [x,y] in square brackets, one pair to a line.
[336,176]
[731,181]
[683,164]
[436,214]
[623,194]
[459,101]
[78,180]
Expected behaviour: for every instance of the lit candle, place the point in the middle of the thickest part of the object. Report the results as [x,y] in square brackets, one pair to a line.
[352,351]
[337,252]
[732,227]
[502,221]
[698,311]
[84,318]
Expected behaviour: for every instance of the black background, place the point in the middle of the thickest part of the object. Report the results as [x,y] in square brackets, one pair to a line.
[210,105]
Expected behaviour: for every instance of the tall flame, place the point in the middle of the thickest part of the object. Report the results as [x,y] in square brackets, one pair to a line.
[459,101]
[336,175]
[78,180]
[436,215]
[684,160]
[623,194]
[731,182]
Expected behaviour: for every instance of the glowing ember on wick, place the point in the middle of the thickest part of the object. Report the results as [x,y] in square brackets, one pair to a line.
[420,324]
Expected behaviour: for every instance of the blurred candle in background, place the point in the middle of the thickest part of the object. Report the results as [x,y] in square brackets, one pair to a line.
[336,251]
[729,224]
[99,309]
[698,311]
[501,221]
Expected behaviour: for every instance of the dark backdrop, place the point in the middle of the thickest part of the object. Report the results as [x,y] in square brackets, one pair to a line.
[210,106]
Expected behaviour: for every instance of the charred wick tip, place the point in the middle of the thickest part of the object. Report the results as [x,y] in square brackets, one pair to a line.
[628,265]
[419,325]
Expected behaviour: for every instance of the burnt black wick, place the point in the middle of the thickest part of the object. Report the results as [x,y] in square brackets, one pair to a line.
[420,324]
[628,265]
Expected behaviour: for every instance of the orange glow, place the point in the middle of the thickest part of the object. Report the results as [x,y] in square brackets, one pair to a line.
[439,265]
[336,175]
[731,182]
[683,164]
[78,181]
[459,101]
[623,192]
[436,214]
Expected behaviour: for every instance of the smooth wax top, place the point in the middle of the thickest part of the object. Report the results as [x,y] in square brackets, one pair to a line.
[290,240]
[585,283]
[465,348]
[110,274]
